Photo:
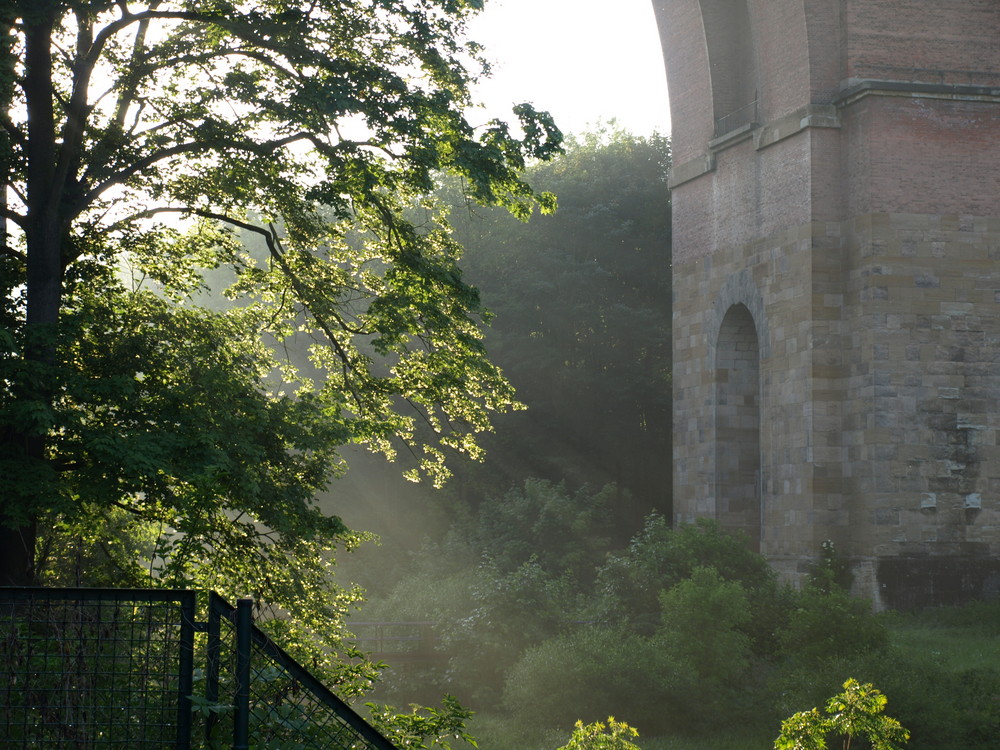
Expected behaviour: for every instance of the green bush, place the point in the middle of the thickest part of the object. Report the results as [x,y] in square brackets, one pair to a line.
[701,622]
[615,735]
[659,557]
[510,612]
[594,672]
[830,623]
[856,712]
[424,727]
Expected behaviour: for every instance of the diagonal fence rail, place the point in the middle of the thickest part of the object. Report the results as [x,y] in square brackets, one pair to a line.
[117,668]
[276,701]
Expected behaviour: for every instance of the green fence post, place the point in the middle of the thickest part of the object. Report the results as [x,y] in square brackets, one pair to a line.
[185,682]
[241,717]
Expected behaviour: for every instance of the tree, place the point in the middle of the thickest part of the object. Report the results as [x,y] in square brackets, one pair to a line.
[856,712]
[617,735]
[583,322]
[138,143]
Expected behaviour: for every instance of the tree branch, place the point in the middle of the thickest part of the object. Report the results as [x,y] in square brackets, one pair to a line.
[127,95]
[184,148]
[68,155]
[7,213]
[12,130]
[276,253]
[120,177]
[11,252]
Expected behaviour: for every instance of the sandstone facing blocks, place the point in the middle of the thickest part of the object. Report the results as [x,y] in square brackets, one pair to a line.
[836,265]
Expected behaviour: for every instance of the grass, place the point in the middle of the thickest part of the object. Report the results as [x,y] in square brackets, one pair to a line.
[733,741]
[956,639]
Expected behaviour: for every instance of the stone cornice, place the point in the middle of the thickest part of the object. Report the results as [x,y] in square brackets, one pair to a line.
[826,116]
[690,170]
[853,90]
[809,116]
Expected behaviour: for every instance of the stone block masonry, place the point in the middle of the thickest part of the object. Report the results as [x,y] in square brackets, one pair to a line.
[836,273]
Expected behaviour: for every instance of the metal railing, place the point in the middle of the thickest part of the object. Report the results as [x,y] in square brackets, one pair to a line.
[119,668]
[398,642]
[96,668]
[745,115]
[276,702]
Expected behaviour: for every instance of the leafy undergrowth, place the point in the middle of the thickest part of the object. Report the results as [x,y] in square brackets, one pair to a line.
[939,670]
[499,733]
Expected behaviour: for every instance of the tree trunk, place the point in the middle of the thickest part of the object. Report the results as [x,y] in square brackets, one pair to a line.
[43,244]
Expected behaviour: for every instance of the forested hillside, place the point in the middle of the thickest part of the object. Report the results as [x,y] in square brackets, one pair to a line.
[580,304]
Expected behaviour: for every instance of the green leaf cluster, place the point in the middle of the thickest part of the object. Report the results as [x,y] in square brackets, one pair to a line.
[857,712]
[424,726]
[615,735]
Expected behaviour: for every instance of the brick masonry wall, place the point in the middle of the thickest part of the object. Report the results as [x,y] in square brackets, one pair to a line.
[923,308]
[773,279]
[859,224]
[781,58]
[682,37]
[914,154]
[880,386]
[923,40]
[751,194]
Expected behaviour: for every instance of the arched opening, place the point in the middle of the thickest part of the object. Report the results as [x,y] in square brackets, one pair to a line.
[737,425]
[732,63]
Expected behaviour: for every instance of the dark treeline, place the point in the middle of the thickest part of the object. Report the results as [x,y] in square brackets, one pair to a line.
[582,327]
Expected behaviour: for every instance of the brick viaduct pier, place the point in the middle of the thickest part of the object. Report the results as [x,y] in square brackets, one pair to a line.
[836,265]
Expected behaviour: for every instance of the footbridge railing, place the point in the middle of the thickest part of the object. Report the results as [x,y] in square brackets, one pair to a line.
[132,668]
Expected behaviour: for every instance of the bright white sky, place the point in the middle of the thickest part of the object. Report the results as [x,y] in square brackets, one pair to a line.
[582,60]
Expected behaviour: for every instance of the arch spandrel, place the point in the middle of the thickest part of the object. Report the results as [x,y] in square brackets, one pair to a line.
[795,47]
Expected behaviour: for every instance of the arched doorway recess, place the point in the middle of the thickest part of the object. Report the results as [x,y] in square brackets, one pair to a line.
[737,425]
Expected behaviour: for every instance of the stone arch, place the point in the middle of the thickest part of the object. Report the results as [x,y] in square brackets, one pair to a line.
[737,424]
[732,60]
[740,289]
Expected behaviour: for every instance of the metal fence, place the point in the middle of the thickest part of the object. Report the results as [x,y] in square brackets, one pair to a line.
[276,702]
[398,642]
[114,668]
[737,118]
[96,668]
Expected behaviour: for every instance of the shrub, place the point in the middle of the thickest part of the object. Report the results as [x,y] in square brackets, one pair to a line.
[830,624]
[616,735]
[510,612]
[701,622]
[856,712]
[424,726]
[593,672]
[660,557]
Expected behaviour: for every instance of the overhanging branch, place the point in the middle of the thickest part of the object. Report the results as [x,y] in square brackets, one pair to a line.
[276,252]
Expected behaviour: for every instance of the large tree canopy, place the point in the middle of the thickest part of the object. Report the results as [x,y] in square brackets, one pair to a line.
[140,142]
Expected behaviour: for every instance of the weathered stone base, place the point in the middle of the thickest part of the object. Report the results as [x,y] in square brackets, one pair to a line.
[875,409]
[907,583]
